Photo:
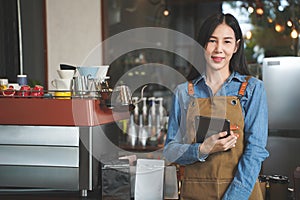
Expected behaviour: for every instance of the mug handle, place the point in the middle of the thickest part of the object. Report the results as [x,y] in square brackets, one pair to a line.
[53,83]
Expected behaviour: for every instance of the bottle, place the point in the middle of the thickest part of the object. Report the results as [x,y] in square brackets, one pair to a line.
[143,134]
[136,109]
[132,134]
[161,111]
[152,131]
[158,127]
[152,110]
[144,110]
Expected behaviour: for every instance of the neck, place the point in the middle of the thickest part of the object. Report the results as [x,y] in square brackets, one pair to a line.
[215,79]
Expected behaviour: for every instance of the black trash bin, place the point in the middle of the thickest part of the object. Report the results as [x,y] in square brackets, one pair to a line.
[278,189]
[264,185]
[116,180]
[297,183]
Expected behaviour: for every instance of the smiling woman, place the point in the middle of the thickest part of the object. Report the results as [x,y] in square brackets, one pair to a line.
[220,167]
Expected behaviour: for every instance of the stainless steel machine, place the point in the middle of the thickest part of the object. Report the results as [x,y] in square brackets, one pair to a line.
[41,152]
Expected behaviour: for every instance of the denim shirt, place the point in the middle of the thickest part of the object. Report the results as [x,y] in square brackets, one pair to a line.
[255,112]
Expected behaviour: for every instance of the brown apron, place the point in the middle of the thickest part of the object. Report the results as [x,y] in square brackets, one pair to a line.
[210,179]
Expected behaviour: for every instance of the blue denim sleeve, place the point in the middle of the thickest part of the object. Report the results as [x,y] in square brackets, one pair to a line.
[256,134]
[175,149]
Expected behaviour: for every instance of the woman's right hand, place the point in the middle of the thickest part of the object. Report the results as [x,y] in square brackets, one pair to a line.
[214,144]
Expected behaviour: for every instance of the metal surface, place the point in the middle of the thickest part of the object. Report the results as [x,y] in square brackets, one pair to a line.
[90,158]
[281,79]
[58,178]
[45,157]
[54,157]
[39,135]
[20,35]
[84,193]
[39,156]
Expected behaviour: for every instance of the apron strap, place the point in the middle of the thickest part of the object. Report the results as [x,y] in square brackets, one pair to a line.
[243,87]
[240,94]
[191,88]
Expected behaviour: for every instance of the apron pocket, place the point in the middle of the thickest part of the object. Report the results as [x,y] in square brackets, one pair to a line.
[203,189]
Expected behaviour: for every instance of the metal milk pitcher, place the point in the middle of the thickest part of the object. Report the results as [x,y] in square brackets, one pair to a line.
[124,95]
[80,85]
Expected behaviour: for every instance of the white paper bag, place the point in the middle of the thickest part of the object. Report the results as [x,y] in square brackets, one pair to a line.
[149,184]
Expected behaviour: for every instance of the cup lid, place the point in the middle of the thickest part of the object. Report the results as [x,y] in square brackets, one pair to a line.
[22,75]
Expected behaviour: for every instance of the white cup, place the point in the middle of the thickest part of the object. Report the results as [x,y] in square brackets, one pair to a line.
[66,74]
[62,84]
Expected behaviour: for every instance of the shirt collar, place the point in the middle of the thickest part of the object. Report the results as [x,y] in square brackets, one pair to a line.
[233,75]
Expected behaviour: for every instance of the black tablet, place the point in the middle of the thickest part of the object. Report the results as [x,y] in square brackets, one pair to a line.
[207,126]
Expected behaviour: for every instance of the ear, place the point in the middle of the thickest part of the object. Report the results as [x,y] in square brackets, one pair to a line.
[237,44]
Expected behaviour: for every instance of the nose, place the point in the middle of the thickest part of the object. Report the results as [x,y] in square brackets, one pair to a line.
[218,47]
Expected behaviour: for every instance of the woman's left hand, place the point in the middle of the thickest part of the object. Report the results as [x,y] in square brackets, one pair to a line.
[214,144]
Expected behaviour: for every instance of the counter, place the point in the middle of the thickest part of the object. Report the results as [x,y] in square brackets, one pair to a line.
[53,144]
[60,112]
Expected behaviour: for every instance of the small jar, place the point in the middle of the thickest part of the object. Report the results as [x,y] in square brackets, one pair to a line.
[22,79]
[3,84]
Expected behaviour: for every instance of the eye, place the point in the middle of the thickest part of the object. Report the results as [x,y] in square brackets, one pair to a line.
[228,41]
[211,40]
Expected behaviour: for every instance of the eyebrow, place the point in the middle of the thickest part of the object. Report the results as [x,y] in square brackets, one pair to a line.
[224,37]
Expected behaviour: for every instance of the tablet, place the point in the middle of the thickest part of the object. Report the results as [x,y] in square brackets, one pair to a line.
[207,126]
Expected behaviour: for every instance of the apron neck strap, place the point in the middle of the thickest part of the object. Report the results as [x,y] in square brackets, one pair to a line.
[240,94]
[243,87]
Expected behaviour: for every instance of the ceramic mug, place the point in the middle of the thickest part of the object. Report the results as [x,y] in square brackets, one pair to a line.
[62,84]
[65,74]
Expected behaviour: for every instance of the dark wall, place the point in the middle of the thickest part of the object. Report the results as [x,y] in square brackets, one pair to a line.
[284,156]
[33,28]
[9,48]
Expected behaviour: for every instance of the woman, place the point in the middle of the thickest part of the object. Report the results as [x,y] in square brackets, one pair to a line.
[220,167]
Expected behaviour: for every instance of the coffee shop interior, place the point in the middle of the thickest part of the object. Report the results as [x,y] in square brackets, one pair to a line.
[62,138]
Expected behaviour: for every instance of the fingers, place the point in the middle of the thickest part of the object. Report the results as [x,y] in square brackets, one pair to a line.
[214,144]
[222,134]
[234,134]
[228,142]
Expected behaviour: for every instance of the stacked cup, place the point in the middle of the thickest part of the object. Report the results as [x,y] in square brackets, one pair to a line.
[63,84]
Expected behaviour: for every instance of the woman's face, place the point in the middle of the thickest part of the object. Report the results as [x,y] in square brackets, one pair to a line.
[219,49]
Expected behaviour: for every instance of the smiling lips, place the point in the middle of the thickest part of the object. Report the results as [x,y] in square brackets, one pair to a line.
[217,59]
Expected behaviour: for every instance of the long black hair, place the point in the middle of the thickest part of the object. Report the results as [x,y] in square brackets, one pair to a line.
[238,61]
